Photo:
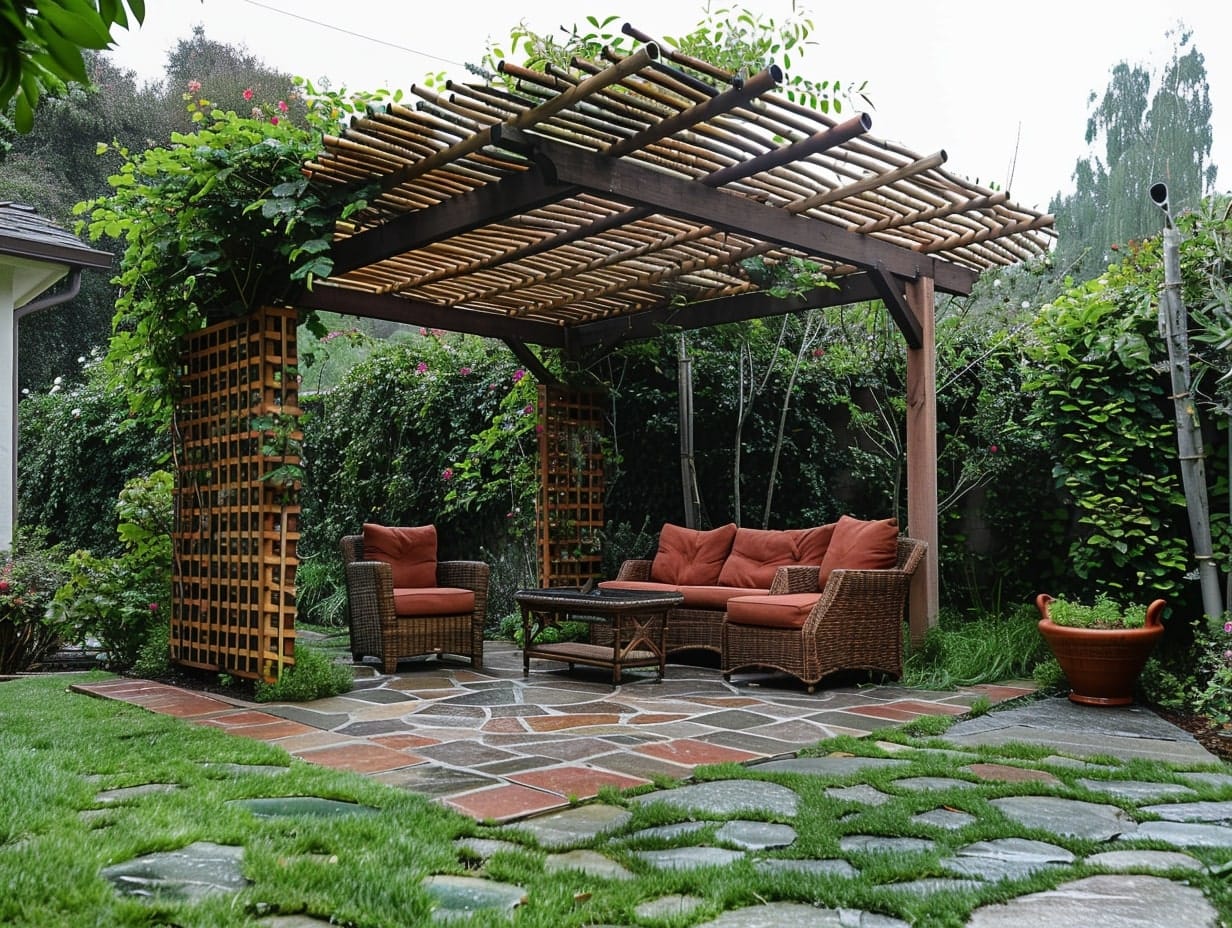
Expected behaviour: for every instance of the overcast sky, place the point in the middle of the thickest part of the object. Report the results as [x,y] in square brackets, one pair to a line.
[1002,87]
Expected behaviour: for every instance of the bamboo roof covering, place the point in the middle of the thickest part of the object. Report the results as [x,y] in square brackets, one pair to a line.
[580,208]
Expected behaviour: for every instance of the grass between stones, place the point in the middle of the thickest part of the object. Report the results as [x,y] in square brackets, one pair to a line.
[59,750]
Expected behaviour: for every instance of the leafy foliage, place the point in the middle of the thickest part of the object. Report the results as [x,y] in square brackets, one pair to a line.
[29,576]
[216,224]
[118,599]
[41,43]
[1104,612]
[312,676]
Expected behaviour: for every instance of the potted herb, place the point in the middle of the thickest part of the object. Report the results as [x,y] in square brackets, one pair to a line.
[1101,647]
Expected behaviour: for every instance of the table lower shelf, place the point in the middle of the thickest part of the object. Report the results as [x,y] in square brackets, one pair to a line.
[593,655]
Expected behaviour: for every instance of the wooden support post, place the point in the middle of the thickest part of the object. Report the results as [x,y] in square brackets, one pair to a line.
[922,520]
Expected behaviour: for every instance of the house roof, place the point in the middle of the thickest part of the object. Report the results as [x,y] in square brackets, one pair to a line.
[26,234]
[591,206]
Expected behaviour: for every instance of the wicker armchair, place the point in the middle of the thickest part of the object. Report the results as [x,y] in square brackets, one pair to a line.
[855,624]
[378,631]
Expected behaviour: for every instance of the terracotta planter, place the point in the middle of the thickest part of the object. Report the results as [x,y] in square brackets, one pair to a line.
[1101,664]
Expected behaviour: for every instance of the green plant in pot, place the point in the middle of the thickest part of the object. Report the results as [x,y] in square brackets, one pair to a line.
[1101,647]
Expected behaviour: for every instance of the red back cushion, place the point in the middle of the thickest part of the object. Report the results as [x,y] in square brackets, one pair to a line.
[859,545]
[410,551]
[757,554]
[687,556]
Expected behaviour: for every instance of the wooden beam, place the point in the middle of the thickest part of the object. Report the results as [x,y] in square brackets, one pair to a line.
[335,299]
[531,360]
[755,305]
[490,203]
[644,187]
[890,289]
[922,520]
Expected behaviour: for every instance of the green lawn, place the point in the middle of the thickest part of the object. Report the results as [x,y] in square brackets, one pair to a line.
[59,749]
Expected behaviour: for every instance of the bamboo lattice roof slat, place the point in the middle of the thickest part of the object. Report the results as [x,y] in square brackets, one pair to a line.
[569,209]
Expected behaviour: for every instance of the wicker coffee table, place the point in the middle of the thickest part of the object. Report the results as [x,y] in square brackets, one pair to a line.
[638,621]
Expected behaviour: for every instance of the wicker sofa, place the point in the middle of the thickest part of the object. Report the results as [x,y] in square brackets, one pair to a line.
[859,568]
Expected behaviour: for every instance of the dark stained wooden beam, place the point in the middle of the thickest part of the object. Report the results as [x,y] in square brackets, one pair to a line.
[416,312]
[529,359]
[893,292]
[644,187]
[756,305]
[490,203]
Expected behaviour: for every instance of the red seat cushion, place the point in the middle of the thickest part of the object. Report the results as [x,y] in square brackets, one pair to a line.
[756,554]
[860,545]
[433,600]
[787,611]
[409,550]
[716,597]
[689,556]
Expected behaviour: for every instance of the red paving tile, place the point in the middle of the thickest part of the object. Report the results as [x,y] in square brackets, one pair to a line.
[1010,774]
[360,757]
[655,718]
[904,710]
[272,731]
[1000,693]
[692,753]
[561,722]
[579,782]
[501,803]
[402,742]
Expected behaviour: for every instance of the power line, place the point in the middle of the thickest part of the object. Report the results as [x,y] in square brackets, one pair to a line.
[357,35]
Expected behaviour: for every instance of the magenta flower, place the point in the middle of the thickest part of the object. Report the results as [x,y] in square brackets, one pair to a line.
[993,449]
[528,409]
[421,368]
[464,371]
[194,87]
[539,429]
[153,607]
[273,120]
[518,375]
[248,95]
[447,473]
[282,106]
[1227,627]
[4,586]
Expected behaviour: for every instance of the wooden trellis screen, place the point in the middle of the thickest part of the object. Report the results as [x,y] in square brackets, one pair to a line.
[233,600]
[569,520]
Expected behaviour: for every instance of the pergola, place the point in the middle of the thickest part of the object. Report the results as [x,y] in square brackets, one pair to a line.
[577,212]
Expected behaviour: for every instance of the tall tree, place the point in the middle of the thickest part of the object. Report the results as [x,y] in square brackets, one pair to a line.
[1139,132]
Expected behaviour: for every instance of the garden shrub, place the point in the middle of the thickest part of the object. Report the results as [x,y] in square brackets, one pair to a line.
[30,574]
[118,599]
[313,676]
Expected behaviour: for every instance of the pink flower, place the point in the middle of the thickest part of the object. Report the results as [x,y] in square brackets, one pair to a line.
[993,449]
[282,106]
[1227,627]
[273,120]
[194,87]
[421,368]
[539,429]
[447,473]
[247,94]
[528,409]
[4,586]
[153,607]
[518,375]
[464,371]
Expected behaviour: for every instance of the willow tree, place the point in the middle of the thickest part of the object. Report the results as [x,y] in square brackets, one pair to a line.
[1142,130]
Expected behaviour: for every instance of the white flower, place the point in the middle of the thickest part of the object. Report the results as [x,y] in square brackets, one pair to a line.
[25,391]
[58,381]
[1026,304]
[76,413]
[82,359]
[996,283]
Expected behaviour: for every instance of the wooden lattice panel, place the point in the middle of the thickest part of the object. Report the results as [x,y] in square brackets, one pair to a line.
[233,604]
[569,519]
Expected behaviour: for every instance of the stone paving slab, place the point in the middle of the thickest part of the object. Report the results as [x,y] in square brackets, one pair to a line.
[1103,902]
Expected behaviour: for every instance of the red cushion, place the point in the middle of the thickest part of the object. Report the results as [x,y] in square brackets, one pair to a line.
[860,545]
[689,556]
[410,551]
[715,597]
[433,600]
[757,554]
[787,611]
